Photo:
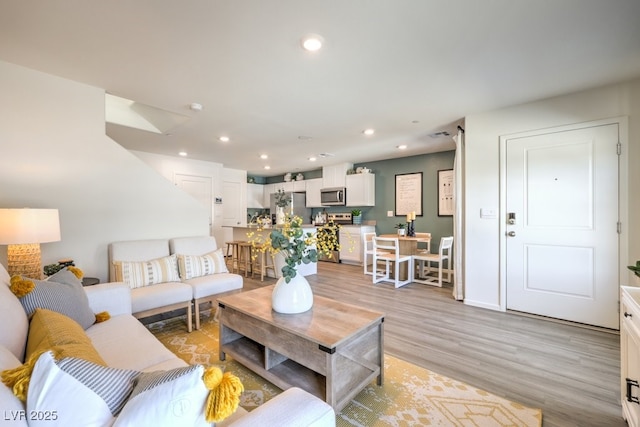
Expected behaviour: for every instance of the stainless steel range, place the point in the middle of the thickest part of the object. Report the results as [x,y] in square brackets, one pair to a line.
[335,218]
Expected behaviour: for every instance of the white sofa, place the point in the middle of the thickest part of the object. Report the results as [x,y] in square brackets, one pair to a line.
[177,294]
[123,342]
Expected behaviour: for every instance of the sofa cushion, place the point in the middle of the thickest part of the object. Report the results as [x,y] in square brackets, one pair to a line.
[206,286]
[77,392]
[195,245]
[143,350]
[62,292]
[144,273]
[14,323]
[191,266]
[160,295]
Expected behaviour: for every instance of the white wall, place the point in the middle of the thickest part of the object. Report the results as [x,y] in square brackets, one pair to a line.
[54,154]
[169,166]
[482,173]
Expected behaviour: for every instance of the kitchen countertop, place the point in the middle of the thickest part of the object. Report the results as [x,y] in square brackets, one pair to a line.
[256,226]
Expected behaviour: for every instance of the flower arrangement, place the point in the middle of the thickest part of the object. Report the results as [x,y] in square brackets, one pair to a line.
[297,247]
[282,201]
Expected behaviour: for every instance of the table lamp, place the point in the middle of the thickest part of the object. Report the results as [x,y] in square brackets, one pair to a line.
[23,230]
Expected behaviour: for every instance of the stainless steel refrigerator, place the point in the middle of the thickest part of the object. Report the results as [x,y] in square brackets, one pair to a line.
[297,206]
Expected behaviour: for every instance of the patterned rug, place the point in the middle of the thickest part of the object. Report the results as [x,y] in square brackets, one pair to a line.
[410,396]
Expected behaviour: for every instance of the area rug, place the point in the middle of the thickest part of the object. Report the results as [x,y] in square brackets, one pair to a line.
[410,396]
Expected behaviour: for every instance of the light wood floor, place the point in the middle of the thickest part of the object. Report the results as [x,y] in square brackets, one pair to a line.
[571,373]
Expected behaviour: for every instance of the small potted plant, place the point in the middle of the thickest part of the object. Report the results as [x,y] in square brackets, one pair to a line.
[356,216]
[401,226]
[635,268]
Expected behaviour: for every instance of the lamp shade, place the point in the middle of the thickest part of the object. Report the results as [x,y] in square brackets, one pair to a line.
[21,226]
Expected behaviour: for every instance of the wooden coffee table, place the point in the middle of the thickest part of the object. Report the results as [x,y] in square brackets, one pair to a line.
[333,350]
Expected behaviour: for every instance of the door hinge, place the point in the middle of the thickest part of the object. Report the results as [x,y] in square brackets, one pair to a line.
[619,227]
[619,148]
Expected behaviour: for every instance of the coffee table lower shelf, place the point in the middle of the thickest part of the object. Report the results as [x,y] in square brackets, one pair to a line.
[285,374]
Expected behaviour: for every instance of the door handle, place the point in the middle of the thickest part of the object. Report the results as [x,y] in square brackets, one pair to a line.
[511,234]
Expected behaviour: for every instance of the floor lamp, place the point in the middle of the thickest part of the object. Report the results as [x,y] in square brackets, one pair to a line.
[23,230]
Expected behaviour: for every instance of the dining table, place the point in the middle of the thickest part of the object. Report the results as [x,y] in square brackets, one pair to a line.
[408,245]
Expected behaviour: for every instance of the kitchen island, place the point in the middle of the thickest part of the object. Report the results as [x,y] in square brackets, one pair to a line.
[242,233]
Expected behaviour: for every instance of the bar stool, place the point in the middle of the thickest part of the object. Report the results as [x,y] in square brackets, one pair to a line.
[264,261]
[233,254]
[245,260]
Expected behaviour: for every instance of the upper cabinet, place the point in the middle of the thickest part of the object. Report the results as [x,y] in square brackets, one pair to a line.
[268,189]
[294,186]
[313,187]
[361,189]
[334,176]
[255,196]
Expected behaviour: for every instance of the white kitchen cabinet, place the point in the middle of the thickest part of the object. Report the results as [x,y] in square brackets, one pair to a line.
[351,245]
[313,187]
[267,191]
[294,186]
[630,354]
[334,176]
[255,196]
[361,189]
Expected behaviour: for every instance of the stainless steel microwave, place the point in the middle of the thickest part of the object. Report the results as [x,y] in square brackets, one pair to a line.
[333,196]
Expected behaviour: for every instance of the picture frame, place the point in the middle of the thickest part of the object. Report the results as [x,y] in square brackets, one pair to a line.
[408,194]
[446,192]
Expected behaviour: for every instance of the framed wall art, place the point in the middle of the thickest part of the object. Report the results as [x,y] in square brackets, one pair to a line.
[409,194]
[445,192]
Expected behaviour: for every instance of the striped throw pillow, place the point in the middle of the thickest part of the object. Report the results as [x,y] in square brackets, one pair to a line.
[62,293]
[146,273]
[196,266]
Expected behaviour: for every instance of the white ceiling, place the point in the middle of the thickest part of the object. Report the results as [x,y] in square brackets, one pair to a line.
[407,68]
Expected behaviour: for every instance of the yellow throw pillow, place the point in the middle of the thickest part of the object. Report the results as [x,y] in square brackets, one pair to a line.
[50,330]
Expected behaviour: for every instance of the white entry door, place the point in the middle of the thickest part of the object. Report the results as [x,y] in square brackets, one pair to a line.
[200,187]
[562,248]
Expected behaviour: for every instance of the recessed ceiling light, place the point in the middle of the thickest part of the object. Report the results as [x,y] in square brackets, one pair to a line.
[224,139]
[369,132]
[264,156]
[312,42]
[312,159]
[183,153]
[196,107]
[267,167]
[401,147]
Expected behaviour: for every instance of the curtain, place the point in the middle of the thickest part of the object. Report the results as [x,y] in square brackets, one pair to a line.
[458,166]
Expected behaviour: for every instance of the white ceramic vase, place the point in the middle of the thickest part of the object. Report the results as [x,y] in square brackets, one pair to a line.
[280,216]
[293,297]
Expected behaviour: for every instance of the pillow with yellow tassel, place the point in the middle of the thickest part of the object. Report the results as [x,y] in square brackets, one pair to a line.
[84,393]
[61,292]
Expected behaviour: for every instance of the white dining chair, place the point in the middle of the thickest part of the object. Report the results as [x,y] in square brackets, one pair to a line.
[424,272]
[367,244]
[424,243]
[392,256]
